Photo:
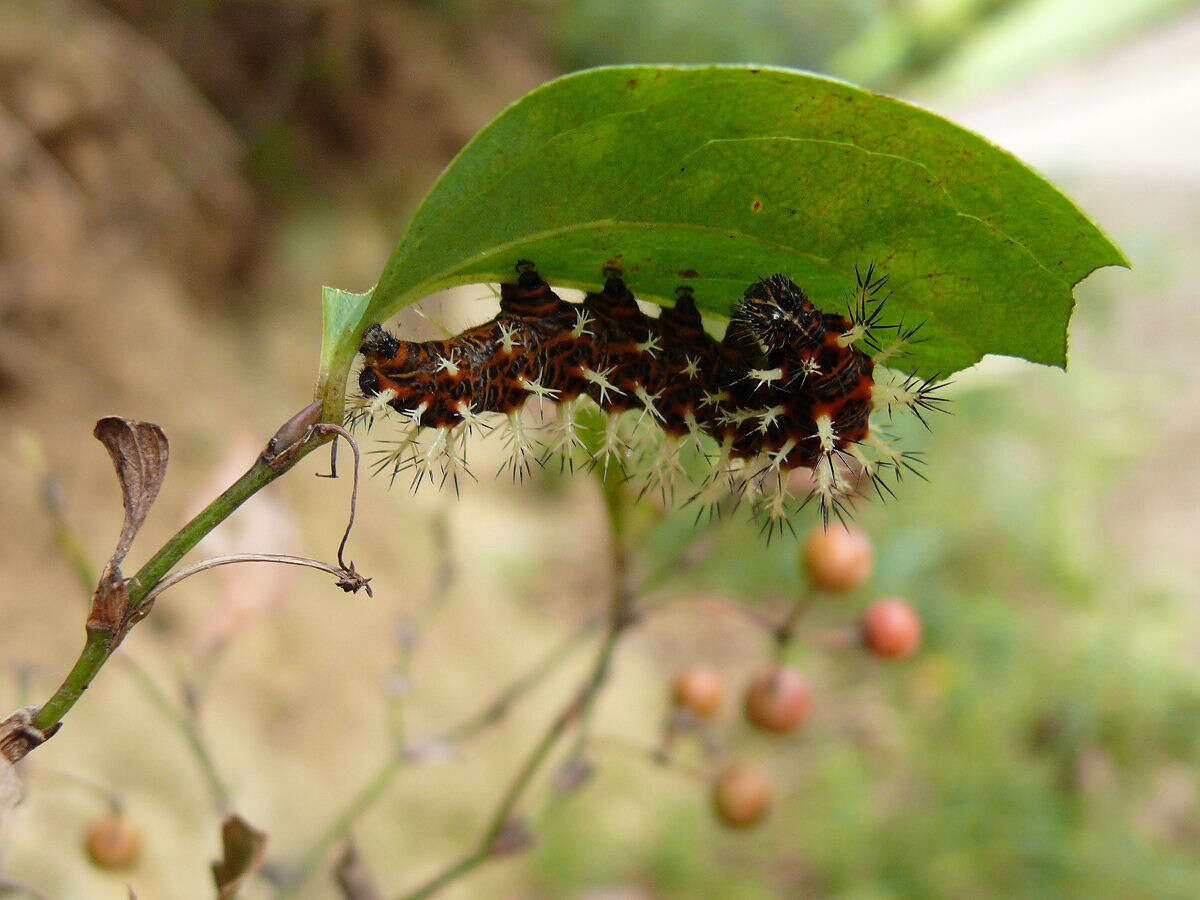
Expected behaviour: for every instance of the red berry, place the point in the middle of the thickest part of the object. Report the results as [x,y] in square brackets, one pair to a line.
[891,628]
[837,559]
[778,700]
[741,796]
[113,842]
[699,690]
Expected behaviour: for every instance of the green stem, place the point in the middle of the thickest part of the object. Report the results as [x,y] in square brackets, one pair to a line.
[341,826]
[583,699]
[100,643]
[256,478]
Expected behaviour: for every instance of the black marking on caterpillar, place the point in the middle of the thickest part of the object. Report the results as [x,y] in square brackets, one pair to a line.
[788,388]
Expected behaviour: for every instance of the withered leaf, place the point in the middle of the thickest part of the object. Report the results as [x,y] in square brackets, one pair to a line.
[139,452]
[244,848]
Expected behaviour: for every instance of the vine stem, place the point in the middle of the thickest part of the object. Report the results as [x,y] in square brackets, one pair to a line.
[100,643]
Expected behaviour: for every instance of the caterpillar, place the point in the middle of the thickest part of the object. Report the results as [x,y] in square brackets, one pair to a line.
[788,387]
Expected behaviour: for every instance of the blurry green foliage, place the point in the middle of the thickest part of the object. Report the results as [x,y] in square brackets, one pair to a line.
[801,34]
[949,46]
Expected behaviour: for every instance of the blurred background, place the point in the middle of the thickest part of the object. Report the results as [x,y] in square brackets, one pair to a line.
[178,180]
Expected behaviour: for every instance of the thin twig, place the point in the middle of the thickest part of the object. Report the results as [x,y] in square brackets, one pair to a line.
[786,630]
[492,713]
[620,617]
[650,754]
[61,777]
[502,816]
[413,626]
[755,617]
[213,562]
[495,710]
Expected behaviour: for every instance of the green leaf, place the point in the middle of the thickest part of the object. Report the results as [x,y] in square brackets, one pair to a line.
[715,175]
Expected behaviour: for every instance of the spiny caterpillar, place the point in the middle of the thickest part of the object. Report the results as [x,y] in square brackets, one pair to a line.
[787,388]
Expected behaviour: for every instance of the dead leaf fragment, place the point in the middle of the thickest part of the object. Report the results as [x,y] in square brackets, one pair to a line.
[139,453]
[244,848]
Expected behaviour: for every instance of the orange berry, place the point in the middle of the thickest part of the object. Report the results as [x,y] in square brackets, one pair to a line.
[741,796]
[891,628]
[778,700]
[699,690]
[837,559]
[113,842]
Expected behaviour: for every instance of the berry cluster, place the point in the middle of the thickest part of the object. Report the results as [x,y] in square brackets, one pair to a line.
[779,698]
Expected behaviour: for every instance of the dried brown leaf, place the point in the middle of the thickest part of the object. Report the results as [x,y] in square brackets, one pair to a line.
[244,849]
[139,452]
[109,602]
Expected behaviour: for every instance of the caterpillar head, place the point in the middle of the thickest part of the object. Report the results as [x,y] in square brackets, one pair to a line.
[775,315]
[377,346]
